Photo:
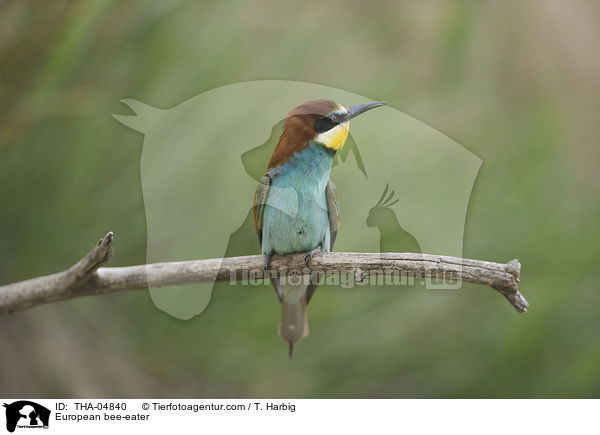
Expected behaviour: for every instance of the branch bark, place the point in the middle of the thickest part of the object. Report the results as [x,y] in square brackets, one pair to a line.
[86,277]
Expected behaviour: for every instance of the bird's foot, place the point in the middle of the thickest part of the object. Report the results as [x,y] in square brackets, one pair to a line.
[311,253]
[267,261]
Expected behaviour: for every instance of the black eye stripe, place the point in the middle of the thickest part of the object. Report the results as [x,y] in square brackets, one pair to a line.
[324,124]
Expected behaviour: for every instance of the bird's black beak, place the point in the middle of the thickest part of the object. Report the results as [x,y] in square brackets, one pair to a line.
[356,110]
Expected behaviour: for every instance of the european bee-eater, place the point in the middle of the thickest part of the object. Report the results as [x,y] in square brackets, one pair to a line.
[295,206]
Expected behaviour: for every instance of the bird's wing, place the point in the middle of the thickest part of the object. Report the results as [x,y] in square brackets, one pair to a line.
[260,198]
[333,209]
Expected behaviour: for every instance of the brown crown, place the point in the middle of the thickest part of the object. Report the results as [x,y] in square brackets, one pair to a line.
[298,129]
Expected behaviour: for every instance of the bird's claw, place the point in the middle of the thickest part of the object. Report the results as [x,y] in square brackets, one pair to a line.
[267,261]
[311,253]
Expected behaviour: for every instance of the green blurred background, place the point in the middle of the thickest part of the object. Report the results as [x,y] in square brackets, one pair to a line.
[517,83]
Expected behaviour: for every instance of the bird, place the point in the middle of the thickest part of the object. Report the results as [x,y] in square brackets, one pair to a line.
[296,206]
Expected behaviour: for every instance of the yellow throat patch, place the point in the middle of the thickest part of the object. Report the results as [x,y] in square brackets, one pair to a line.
[336,137]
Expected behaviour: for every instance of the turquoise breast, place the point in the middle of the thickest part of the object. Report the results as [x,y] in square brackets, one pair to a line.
[295,218]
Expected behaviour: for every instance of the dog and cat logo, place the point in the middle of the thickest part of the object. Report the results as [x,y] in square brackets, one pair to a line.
[25,414]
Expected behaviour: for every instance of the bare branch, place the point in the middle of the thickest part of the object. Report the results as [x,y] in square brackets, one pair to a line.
[58,286]
[87,278]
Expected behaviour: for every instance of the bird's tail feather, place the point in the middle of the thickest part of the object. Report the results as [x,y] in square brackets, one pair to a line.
[294,321]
